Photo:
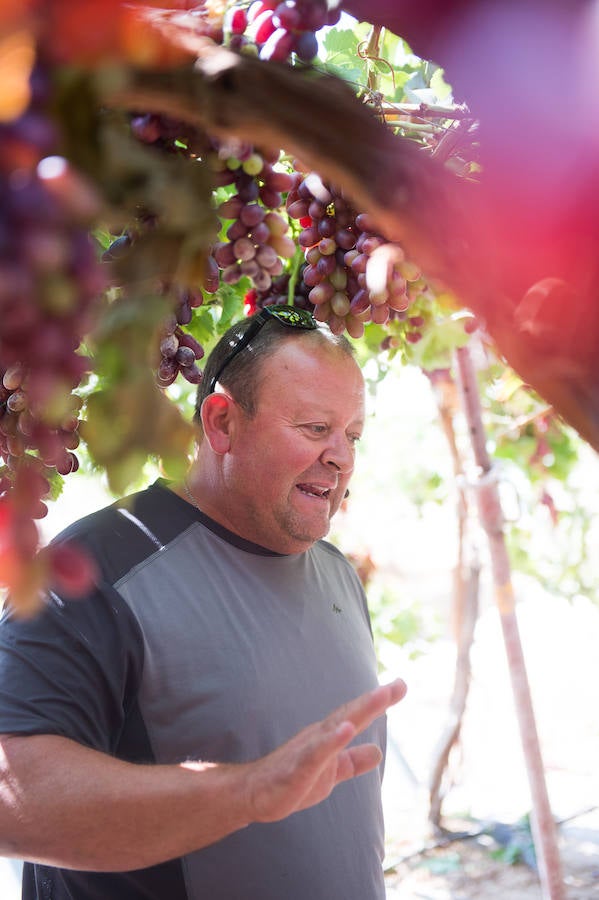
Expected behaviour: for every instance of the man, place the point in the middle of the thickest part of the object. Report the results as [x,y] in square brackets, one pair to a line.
[157,732]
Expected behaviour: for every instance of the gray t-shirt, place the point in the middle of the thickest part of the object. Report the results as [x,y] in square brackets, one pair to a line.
[199,645]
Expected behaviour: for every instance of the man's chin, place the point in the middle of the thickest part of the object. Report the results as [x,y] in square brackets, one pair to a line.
[306,535]
[316,534]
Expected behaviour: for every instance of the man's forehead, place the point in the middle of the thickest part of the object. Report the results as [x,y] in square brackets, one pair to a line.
[319,379]
[311,350]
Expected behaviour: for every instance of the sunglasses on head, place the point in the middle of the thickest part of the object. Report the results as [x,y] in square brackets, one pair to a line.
[291,316]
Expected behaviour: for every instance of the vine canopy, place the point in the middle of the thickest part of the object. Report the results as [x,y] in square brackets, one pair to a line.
[166,167]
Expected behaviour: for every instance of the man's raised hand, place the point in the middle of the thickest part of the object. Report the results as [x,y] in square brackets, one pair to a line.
[304,771]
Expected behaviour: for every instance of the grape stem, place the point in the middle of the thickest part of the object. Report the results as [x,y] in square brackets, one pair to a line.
[294,274]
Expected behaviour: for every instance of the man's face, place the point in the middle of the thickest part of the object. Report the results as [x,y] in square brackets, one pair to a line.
[288,467]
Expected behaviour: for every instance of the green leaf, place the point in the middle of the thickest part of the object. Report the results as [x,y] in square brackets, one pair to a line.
[342,60]
[440,87]
[202,325]
[435,350]
[340,40]
[391,45]
[131,420]
[56,483]
[231,297]
[356,75]
[374,335]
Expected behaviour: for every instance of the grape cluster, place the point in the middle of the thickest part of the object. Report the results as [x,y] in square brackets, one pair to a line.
[279,29]
[256,239]
[354,274]
[50,283]
[179,350]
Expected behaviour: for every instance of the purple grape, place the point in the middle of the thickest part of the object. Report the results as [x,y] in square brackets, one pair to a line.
[306,46]
[185,356]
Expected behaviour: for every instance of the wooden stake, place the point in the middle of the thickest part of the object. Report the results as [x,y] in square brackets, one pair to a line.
[491,518]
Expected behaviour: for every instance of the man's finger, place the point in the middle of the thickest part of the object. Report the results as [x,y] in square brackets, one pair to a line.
[362,711]
[357,761]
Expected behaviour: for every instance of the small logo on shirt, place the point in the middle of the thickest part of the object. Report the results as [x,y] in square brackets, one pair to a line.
[336,608]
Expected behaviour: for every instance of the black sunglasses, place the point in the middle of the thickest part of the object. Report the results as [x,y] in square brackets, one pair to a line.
[291,316]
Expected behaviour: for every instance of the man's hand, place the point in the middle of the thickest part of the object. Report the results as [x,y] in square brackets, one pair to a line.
[305,770]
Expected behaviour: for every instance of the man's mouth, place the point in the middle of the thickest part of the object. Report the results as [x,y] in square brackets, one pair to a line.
[315,490]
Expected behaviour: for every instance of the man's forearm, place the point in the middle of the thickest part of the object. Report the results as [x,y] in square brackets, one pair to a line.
[68,806]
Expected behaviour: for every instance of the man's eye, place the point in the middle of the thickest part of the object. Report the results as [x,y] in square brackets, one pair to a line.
[354,438]
[315,429]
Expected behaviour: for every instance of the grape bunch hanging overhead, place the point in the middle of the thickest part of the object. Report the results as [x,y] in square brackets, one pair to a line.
[169,166]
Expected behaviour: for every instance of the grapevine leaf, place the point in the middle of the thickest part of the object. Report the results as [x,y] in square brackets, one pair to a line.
[435,349]
[202,326]
[342,57]
[440,87]
[56,484]
[390,45]
[370,345]
[129,421]
[565,454]
[232,303]
[356,75]
[344,41]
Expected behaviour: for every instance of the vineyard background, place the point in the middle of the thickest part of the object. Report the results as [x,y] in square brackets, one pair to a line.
[393,519]
[484,258]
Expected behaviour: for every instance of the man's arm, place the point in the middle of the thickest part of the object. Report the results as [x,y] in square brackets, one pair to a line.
[66,805]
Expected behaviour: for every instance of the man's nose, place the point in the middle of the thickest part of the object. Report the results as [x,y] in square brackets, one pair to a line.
[340,455]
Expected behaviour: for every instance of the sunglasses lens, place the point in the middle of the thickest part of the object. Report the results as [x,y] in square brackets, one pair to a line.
[290,315]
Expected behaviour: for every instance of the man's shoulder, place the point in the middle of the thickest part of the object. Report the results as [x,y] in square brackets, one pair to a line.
[329,550]
[336,565]
[124,533]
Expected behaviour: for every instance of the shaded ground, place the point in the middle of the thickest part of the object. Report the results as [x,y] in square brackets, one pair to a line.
[471,869]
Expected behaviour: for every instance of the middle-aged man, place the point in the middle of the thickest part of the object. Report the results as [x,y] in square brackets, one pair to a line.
[192,728]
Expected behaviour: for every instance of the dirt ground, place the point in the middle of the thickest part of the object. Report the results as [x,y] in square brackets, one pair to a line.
[473,870]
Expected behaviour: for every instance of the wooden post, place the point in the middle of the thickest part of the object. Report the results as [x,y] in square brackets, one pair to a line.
[491,517]
[464,610]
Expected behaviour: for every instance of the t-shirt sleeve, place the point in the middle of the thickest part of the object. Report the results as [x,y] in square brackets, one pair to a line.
[71,670]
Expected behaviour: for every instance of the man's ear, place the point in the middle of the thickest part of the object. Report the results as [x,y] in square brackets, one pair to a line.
[216,413]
